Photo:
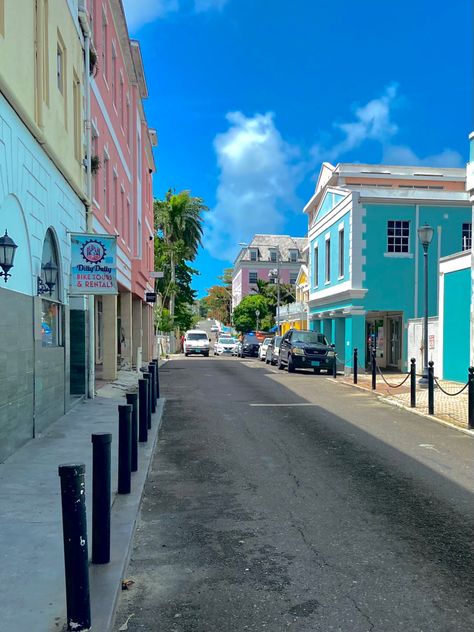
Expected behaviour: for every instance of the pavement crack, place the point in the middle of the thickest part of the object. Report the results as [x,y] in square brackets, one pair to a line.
[366,616]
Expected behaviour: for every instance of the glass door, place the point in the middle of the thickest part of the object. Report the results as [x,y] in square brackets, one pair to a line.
[395,341]
[375,337]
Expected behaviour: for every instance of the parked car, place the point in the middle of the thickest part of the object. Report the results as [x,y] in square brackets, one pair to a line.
[250,346]
[302,349]
[262,352]
[238,348]
[214,328]
[225,346]
[273,351]
[196,341]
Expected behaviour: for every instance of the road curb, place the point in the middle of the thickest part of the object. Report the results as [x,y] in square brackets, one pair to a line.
[106,580]
[392,402]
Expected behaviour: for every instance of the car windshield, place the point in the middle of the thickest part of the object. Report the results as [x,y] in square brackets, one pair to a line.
[252,340]
[277,341]
[267,341]
[226,341]
[310,337]
[196,337]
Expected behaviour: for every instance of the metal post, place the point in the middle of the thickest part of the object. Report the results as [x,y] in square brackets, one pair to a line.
[132,399]
[151,370]
[101,446]
[470,397]
[124,449]
[423,381]
[374,369]
[142,410]
[147,376]
[157,379]
[334,366]
[413,383]
[76,563]
[355,366]
[430,388]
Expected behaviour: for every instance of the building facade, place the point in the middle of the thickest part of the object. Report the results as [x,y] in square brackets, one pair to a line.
[365,259]
[295,315]
[42,199]
[264,254]
[122,197]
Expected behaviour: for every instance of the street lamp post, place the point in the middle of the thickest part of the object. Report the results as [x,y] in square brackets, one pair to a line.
[257,314]
[275,274]
[425,235]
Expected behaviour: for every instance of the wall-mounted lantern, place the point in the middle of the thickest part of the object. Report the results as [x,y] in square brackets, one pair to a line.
[7,255]
[50,271]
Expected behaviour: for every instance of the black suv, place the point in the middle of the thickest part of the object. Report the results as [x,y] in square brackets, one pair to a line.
[302,349]
[250,346]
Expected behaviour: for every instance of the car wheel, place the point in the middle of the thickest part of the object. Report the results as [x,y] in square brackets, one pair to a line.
[291,366]
[206,354]
[317,371]
[280,364]
[186,355]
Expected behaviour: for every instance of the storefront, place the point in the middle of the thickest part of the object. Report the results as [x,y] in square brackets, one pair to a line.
[384,332]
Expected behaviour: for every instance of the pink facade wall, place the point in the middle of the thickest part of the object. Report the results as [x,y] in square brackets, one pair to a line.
[262,273]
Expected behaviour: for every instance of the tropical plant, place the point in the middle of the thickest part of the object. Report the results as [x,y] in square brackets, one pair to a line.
[245,316]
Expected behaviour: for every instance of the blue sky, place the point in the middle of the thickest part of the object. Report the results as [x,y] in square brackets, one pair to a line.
[250,96]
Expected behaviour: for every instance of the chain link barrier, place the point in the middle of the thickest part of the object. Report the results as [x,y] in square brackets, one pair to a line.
[388,383]
[447,392]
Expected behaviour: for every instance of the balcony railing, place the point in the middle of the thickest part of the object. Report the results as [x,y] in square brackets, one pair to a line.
[291,310]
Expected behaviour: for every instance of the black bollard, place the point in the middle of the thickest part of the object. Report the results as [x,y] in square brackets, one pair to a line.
[124,449]
[413,383]
[334,366]
[355,365]
[132,399]
[157,379]
[147,377]
[470,398]
[430,388]
[76,561]
[142,410]
[151,370]
[374,370]
[101,445]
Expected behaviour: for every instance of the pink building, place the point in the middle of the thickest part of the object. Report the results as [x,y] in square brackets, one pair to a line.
[122,188]
[263,254]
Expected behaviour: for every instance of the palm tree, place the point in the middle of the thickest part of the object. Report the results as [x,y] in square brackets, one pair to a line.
[179,218]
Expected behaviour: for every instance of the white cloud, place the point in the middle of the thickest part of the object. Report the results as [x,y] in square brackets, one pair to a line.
[141,12]
[374,122]
[258,176]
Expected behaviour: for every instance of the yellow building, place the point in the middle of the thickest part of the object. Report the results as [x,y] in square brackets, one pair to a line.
[41,76]
[295,315]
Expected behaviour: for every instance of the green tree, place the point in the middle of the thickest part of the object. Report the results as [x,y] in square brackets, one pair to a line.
[244,316]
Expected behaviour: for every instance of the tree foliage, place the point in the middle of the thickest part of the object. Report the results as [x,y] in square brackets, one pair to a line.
[245,318]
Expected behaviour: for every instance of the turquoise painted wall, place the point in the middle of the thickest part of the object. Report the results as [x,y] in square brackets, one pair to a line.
[457,294]
[330,201]
[320,241]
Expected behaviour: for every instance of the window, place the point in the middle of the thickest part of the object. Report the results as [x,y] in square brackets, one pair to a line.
[293,256]
[398,236]
[328,260]
[115,217]
[104,45]
[51,308]
[316,267]
[45,55]
[293,277]
[113,78]
[60,68]
[106,184]
[77,118]
[139,238]
[122,106]
[466,236]
[253,277]
[2,17]
[122,212]
[273,256]
[129,122]
[341,252]
[253,255]
[95,152]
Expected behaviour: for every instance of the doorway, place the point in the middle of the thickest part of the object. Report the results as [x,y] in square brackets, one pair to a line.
[395,341]
[375,337]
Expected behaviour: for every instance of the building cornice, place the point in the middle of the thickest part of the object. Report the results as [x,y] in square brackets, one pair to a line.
[317,299]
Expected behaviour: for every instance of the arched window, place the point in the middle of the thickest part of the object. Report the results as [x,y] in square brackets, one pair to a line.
[51,308]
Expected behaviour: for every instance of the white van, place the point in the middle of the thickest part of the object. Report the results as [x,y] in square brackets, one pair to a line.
[196,341]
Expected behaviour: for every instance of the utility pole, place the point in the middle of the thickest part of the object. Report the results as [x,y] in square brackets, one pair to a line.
[172,301]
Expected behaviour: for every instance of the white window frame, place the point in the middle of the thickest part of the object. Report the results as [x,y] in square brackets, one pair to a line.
[327,260]
[341,239]
[256,277]
[316,266]
[466,236]
[398,224]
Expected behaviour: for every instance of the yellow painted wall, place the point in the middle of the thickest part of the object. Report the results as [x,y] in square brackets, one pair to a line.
[21,79]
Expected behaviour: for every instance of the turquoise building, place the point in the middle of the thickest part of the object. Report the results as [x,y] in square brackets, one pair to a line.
[365,260]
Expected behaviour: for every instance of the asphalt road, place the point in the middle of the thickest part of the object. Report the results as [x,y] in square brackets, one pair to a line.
[281,501]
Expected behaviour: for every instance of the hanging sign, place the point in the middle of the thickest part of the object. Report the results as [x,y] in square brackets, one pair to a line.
[93,264]
[150,297]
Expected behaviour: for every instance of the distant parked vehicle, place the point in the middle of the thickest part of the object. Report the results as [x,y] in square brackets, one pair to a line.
[302,349]
[262,352]
[273,351]
[250,346]
[225,346]
[196,341]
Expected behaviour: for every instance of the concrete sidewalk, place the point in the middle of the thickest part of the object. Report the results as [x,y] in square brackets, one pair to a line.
[31,546]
